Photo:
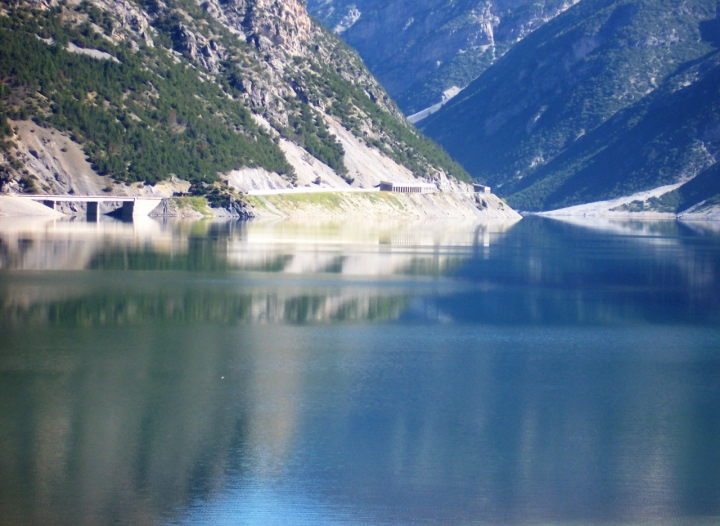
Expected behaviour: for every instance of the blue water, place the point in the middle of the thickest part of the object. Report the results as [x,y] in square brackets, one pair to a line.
[538,373]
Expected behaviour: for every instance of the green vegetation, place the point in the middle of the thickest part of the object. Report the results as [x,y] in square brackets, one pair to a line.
[327,200]
[460,71]
[352,105]
[136,123]
[705,189]
[308,129]
[610,98]
[182,107]
[197,203]
[420,49]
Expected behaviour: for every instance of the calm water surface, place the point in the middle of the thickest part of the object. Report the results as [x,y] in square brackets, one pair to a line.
[540,373]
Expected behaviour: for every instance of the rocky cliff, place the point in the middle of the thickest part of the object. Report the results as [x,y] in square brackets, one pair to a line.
[208,97]
[423,51]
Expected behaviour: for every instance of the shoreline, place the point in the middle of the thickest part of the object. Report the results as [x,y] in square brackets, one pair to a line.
[327,204]
[375,204]
[332,205]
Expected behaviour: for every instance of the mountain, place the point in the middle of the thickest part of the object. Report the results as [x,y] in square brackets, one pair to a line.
[208,98]
[611,98]
[424,51]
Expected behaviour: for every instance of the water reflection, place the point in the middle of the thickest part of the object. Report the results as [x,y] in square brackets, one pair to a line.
[338,258]
[612,273]
[561,375]
[365,249]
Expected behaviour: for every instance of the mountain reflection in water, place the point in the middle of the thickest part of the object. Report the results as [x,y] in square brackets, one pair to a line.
[341,260]
[258,373]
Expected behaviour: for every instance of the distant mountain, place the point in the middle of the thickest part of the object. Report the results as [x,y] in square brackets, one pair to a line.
[610,98]
[421,49]
[156,90]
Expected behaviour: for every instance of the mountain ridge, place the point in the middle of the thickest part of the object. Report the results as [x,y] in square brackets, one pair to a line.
[153,90]
[420,50]
[607,99]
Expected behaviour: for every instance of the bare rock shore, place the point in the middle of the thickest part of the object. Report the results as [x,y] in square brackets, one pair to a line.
[338,205]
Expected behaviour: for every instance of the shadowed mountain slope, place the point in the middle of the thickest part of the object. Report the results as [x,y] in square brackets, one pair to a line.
[608,99]
[423,51]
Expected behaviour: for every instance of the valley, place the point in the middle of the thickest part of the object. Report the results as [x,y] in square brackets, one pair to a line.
[555,105]
[609,99]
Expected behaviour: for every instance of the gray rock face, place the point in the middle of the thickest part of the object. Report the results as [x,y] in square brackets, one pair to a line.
[270,24]
[421,48]
[253,85]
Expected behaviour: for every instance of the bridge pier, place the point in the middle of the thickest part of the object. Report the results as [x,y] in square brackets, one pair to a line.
[139,207]
[93,210]
[128,207]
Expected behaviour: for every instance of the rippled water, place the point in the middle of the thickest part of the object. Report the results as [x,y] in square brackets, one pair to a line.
[540,373]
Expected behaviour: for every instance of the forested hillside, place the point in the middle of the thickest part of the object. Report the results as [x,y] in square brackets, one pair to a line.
[154,89]
[135,123]
[610,98]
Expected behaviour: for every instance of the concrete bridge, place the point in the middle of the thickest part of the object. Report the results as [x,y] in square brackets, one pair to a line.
[131,206]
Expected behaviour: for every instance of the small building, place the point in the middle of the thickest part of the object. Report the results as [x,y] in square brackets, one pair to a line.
[481,189]
[408,188]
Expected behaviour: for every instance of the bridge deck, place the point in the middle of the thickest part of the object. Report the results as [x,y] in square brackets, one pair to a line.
[131,206]
[88,198]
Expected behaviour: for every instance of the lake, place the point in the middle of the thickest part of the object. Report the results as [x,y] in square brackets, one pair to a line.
[537,373]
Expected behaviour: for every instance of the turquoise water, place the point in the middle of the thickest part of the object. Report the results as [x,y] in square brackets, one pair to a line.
[540,373]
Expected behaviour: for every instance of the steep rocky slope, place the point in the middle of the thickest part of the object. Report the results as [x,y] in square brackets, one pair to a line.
[610,99]
[128,96]
[423,51]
